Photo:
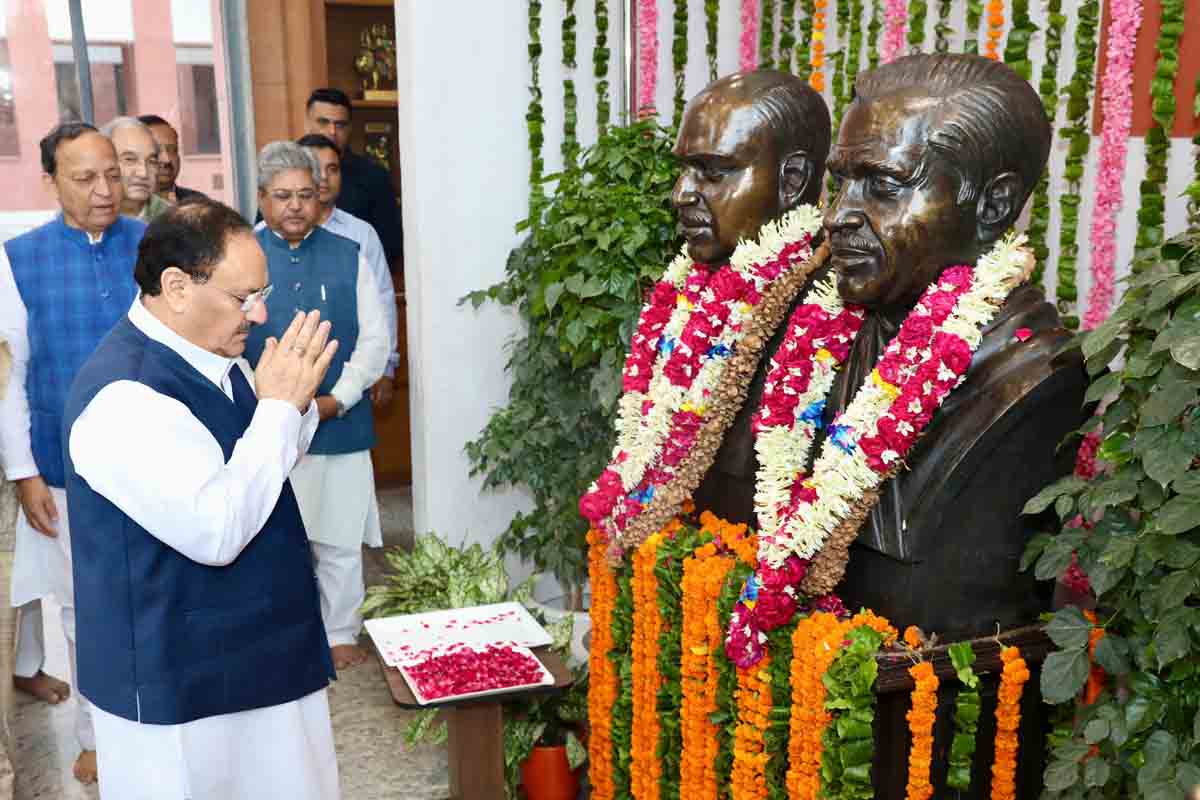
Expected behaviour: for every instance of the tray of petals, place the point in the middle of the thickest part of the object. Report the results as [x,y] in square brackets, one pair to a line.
[460,672]
[402,639]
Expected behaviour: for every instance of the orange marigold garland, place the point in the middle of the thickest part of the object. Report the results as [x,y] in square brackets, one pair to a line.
[645,769]
[1008,720]
[995,29]
[920,723]
[816,78]
[602,681]
[812,654]
[748,780]
[1096,675]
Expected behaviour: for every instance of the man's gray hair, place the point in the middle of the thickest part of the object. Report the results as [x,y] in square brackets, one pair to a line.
[281,156]
[117,124]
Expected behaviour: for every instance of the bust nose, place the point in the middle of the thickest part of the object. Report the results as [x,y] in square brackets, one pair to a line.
[841,218]
[684,194]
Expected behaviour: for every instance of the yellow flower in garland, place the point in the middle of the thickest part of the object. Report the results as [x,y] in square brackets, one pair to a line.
[646,769]
[602,681]
[1008,720]
[748,780]
[920,722]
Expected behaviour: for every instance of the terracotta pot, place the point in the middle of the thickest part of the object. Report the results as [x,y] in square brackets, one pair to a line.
[546,775]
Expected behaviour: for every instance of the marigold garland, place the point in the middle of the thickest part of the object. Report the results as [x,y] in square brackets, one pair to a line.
[810,659]
[748,780]
[1008,721]
[995,31]
[602,679]
[646,767]
[816,78]
[920,724]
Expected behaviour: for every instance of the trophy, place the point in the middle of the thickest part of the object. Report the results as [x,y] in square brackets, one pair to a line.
[376,62]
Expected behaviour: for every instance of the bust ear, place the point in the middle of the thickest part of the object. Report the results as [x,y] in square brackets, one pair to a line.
[797,178]
[999,206]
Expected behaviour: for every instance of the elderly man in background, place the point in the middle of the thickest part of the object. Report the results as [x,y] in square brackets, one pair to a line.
[313,268]
[168,161]
[201,641]
[137,154]
[62,287]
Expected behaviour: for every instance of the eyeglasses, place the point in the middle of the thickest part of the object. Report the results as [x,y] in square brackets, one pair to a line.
[249,301]
[304,195]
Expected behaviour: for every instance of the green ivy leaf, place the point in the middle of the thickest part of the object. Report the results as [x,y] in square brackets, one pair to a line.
[1063,675]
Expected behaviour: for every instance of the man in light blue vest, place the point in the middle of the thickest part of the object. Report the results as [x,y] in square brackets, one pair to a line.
[62,287]
[201,644]
[313,268]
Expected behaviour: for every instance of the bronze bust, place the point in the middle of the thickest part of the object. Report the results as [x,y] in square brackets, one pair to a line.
[935,159]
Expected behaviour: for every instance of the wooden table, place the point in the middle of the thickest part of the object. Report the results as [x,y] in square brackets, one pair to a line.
[477,728]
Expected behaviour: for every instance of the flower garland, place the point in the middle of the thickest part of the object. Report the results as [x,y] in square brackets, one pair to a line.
[966,717]
[849,743]
[748,58]
[766,36]
[646,767]
[995,29]
[534,118]
[918,10]
[570,142]
[647,42]
[679,54]
[727,683]
[1158,141]
[1039,215]
[1117,102]
[841,10]
[816,77]
[602,676]
[895,18]
[804,43]
[621,654]
[810,659]
[815,515]
[776,736]
[748,779]
[942,29]
[971,34]
[1016,49]
[873,29]
[712,10]
[1078,132]
[600,55]
[682,381]
[920,718]
[787,34]
[1008,720]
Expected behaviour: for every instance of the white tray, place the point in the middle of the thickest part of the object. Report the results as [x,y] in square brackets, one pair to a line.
[546,680]
[405,639]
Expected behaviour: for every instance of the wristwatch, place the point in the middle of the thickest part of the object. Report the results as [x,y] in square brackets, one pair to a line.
[341,409]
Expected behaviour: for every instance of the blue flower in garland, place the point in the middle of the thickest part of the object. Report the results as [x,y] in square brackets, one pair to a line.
[666,345]
[815,413]
[644,496]
[750,590]
[718,351]
[843,437]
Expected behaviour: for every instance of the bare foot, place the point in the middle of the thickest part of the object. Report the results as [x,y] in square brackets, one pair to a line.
[85,767]
[44,687]
[346,656]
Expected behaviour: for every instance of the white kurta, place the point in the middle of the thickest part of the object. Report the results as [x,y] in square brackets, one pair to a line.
[149,456]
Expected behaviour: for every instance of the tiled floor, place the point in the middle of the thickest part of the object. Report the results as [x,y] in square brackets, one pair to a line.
[375,764]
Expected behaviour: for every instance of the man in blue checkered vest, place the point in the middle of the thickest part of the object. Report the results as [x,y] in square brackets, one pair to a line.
[62,287]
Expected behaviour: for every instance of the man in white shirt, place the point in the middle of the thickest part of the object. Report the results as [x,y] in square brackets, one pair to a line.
[335,483]
[201,644]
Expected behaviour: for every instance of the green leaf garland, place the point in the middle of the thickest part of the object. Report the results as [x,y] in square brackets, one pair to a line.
[600,56]
[918,10]
[1193,189]
[803,49]
[766,35]
[570,142]
[712,9]
[873,29]
[534,118]
[849,738]
[1016,49]
[943,30]
[855,40]
[1077,131]
[974,17]
[1039,218]
[725,716]
[622,658]
[778,733]
[1150,215]
[679,55]
[787,34]
[966,717]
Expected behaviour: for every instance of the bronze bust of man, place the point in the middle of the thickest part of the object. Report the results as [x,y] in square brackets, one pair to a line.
[935,159]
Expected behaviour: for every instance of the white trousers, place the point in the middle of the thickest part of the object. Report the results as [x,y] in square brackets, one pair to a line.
[340,581]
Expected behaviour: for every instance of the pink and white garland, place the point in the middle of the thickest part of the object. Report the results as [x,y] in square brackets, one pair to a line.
[748,60]
[693,324]
[895,26]
[808,520]
[1117,104]
[647,33]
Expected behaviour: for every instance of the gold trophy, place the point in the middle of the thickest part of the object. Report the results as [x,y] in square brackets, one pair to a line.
[376,62]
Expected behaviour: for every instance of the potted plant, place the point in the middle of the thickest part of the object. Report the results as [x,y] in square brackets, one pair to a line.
[542,746]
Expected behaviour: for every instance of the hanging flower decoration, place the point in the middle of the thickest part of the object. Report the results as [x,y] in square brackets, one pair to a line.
[748,59]
[602,677]
[995,29]
[942,29]
[748,779]
[810,659]
[895,20]
[921,717]
[1193,189]
[1039,215]
[679,55]
[1096,674]
[647,42]
[570,142]
[971,34]
[803,44]
[766,36]
[712,10]
[1016,48]
[918,10]
[600,56]
[1008,721]
[787,34]
[622,658]
[1117,103]
[849,739]
[816,77]
[647,626]
[966,717]
[873,29]
[534,118]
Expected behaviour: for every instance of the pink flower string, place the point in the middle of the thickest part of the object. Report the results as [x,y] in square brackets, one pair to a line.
[647,21]
[749,56]
[1117,104]
[895,21]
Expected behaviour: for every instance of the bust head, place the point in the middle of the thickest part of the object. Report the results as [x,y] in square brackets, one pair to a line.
[752,146]
[936,157]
